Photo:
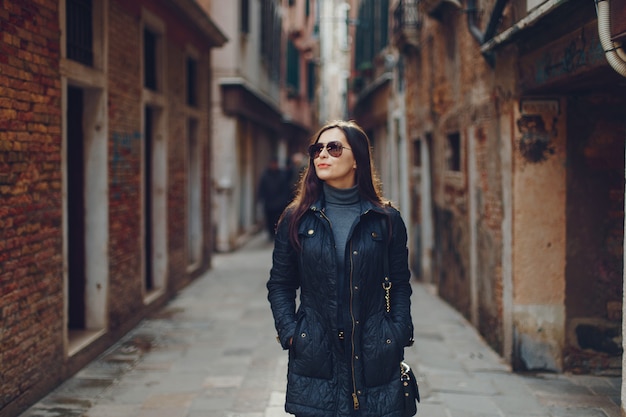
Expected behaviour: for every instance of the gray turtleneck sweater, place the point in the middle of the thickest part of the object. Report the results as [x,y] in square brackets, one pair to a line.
[343,206]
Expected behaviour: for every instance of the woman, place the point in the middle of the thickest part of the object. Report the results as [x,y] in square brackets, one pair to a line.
[346,339]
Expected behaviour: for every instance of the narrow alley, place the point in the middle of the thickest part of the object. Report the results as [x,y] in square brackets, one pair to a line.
[211,352]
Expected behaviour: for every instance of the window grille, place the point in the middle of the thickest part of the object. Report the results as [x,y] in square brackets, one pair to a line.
[79,30]
[271,25]
[372,32]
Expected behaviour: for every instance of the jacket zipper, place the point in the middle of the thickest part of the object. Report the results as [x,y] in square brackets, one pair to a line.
[355,398]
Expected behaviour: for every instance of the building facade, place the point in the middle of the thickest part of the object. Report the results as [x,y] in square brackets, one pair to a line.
[515,136]
[105,143]
[264,95]
[377,97]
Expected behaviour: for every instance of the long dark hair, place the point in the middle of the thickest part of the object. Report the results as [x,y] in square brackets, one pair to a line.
[310,186]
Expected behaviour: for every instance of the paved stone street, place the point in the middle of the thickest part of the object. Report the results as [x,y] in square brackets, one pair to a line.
[211,352]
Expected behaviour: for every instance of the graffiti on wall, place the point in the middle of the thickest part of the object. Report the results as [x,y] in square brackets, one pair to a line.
[571,55]
[575,56]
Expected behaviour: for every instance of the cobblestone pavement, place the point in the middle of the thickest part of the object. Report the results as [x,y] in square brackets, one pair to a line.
[211,352]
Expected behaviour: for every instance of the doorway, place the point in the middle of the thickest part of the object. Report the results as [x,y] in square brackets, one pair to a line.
[86,215]
[154,182]
[76,275]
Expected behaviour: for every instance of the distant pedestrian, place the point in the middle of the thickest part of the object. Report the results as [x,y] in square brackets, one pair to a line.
[344,248]
[295,169]
[274,193]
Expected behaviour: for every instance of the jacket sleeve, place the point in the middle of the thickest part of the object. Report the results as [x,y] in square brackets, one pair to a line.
[400,276]
[282,285]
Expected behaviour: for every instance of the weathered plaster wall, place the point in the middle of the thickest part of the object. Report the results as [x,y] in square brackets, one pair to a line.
[539,233]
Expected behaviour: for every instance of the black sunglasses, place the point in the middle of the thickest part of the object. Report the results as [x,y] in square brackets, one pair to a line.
[334,148]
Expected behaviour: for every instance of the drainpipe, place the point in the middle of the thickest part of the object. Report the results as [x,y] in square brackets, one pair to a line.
[613,51]
[471,21]
[494,19]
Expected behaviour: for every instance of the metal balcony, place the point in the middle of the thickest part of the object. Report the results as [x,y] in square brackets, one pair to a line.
[406,24]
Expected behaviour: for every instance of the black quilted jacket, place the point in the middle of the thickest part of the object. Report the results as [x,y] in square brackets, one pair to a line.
[359,375]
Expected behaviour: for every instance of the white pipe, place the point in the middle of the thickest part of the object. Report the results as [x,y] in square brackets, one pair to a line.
[612,50]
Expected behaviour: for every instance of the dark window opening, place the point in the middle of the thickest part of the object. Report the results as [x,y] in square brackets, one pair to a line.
[79,36]
[245,16]
[311,81]
[192,83]
[417,153]
[401,72]
[150,59]
[147,198]
[293,68]
[453,153]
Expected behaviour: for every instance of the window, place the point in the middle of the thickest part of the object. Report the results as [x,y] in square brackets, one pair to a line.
[453,152]
[311,80]
[382,15]
[245,16]
[271,37]
[401,74]
[192,82]
[293,68]
[150,59]
[417,153]
[79,38]
[372,32]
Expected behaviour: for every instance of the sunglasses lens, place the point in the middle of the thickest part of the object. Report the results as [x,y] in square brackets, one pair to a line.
[315,150]
[334,149]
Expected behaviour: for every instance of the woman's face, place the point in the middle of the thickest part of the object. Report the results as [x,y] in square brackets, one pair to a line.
[338,172]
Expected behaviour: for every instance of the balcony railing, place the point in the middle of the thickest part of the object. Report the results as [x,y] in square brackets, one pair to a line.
[406,24]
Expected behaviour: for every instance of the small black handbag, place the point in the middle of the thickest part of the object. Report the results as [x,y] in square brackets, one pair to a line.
[410,390]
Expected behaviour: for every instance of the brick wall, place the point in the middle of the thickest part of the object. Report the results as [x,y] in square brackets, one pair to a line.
[125,114]
[450,89]
[33,356]
[31,270]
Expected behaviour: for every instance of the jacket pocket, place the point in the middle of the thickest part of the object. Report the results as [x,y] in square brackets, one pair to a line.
[310,354]
[382,351]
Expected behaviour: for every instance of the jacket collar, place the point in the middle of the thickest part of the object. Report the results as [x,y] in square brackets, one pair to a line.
[366,206]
